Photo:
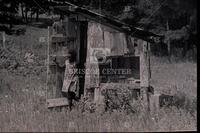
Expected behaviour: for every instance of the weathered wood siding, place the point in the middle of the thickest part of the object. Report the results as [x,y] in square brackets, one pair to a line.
[112,42]
[95,40]
[118,43]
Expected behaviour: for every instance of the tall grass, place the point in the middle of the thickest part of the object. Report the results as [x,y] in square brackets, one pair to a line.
[23,108]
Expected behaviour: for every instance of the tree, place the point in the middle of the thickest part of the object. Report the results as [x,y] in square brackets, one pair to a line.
[8,11]
[33,7]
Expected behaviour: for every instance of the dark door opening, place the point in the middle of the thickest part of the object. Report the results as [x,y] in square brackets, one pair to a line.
[82,55]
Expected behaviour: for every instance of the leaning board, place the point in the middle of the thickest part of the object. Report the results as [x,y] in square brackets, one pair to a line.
[57,102]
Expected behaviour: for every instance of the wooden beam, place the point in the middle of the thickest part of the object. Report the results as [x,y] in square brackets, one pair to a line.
[144,72]
[149,60]
[50,75]
[62,39]
[57,102]
[144,69]
[154,103]
[59,81]
[130,86]
[97,94]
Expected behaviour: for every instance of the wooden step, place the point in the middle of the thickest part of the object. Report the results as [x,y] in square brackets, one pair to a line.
[61,39]
[58,55]
[57,102]
[127,85]
[58,39]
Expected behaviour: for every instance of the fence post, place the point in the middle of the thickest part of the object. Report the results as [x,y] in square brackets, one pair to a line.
[4,39]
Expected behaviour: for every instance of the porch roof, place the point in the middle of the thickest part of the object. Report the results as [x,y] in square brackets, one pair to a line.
[69,8]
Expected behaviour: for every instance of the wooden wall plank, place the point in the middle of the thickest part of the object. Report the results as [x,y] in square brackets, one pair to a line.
[95,35]
[130,49]
[59,81]
[57,102]
[144,72]
[154,104]
[51,83]
[117,45]
[50,70]
[108,40]
[136,46]
[95,41]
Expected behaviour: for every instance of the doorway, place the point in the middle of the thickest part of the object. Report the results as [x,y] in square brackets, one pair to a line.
[82,55]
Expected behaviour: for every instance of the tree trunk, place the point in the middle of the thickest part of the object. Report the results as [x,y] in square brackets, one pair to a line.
[168,42]
[26,15]
[185,49]
[37,15]
[10,22]
[31,15]
[22,11]
[4,39]
[10,25]
[61,16]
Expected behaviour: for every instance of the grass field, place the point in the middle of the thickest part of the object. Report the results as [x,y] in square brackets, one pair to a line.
[22,99]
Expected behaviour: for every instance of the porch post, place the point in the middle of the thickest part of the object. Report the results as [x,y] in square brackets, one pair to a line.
[144,72]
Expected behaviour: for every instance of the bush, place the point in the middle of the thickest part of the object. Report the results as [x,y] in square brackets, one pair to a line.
[118,97]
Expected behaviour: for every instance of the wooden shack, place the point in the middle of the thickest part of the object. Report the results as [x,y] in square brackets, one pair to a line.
[117,52]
